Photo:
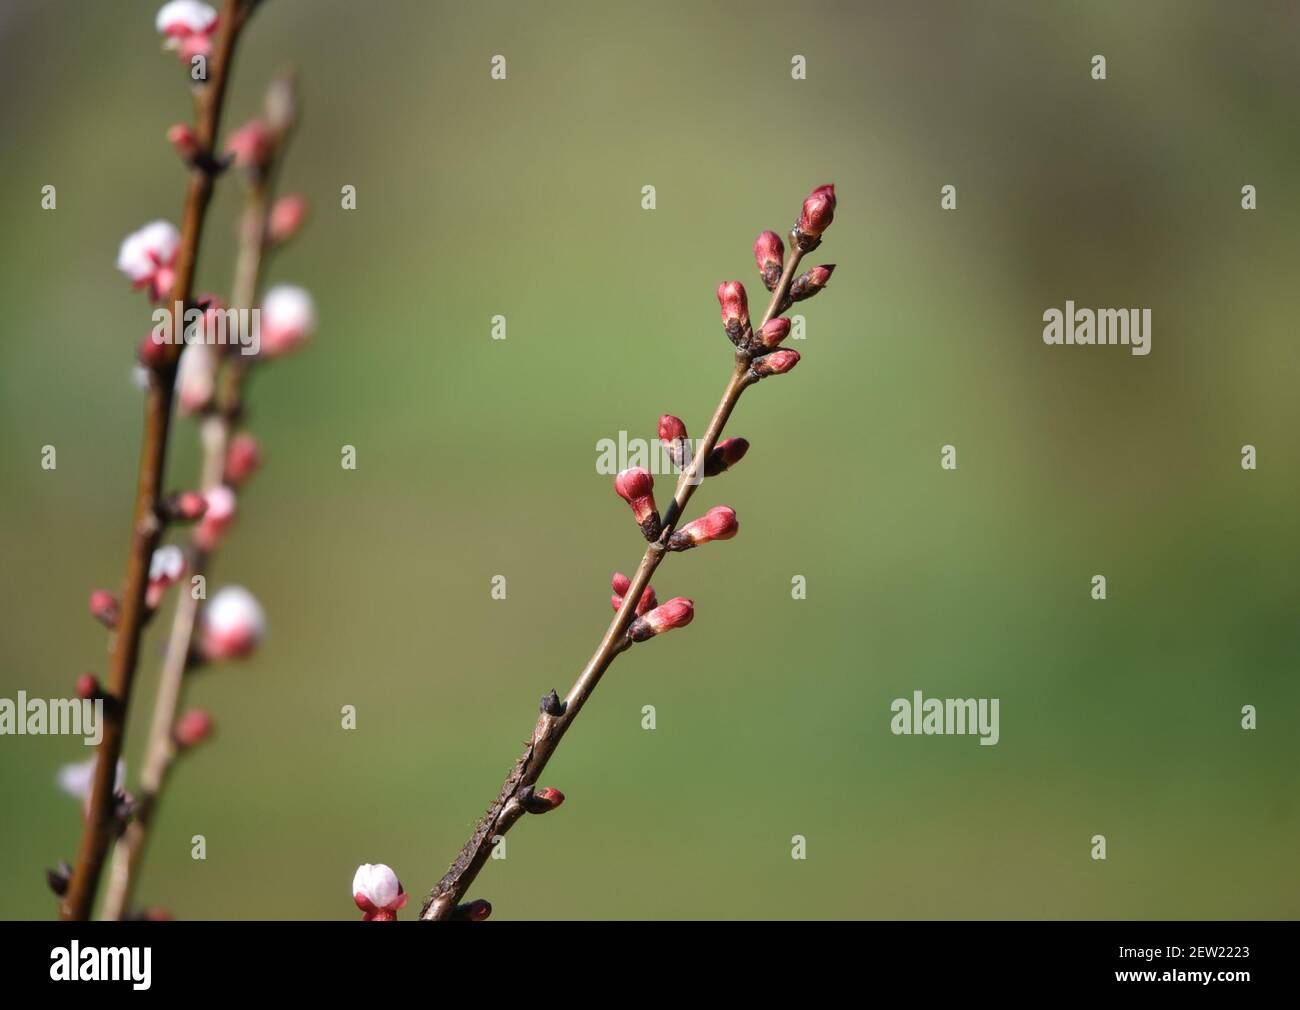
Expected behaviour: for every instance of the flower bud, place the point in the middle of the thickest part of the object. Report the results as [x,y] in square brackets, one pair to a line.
[232,624]
[59,878]
[621,584]
[735,310]
[182,137]
[192,728]
[672,433]
[242,458]
[286,219]
[188,27]
[636,487]
[217,518]
[676,613]
[187,506]
[776,363]
[725,455]
[769,254]
[88,687]
[808,284]
[472,911]
[148,256]
[288,319]
[78,779]
[377,892]
[165,568]
[772,333]
[152,353]
[251,144]
[544,800]
[818,212]
[105,608]
[719,523]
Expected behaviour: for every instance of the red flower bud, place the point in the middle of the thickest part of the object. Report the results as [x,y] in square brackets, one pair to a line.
[719,523]
[808,284]
[769,254]
[544,800]
[251,144]
[153,353]
[105,608]
[242,458]
[182,137]
[773,333]
[818,212]
[636,487]
[725,455]
[287,217]
[88,688]
[193,728]
[672,433]
[735,310]
[621,584]
[186,506]
[676,613]
[776,363]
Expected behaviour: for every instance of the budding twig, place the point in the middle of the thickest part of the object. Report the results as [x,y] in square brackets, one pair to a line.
[146,526]
[518,791]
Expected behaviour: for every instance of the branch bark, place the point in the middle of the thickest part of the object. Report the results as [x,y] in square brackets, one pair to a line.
[550,729]
[146,526]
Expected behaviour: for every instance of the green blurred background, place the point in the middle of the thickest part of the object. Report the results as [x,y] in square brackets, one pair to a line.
[475,457]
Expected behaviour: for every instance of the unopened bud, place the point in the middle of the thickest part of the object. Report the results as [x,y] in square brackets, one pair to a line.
[776,363]
[719,523]
[186,506]
[217,518]
[104,607]
[166,567]
[620,583]
[808,284]
[544,800]
[59,878]
[735,310]
[672,433]
[636,487]
[192,728]
[676,613]
[88,687]
[153,352]
[552,705]
[232,624]
[287,216]
[769,254]
[250,144]
[377,892]
[818,212]
[725,455]
[182,137]
[242,458]
[772,333]
[472,911]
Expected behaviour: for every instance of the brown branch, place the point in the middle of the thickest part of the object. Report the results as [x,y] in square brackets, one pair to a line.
[146,527]
[215,430]
[550,728]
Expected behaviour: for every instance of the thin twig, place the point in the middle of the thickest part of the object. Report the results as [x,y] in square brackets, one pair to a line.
[146,525]
[550,729]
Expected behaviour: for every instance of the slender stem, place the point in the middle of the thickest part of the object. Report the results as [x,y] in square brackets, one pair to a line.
[146,526]
[550,729]
[215,431]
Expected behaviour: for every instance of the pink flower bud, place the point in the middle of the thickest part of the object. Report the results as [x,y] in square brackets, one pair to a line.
[196,378]
[725,455]
[104,607]
[188,27]
[217,518]
[735,310]
[232,624]
[88,687]
[288,319]
[182,137]
[544,800]
[636,487]
[808,284]
[148,256]
[193,728]
[719,523]
[776,363]
[287,217]
[621,584]
[672,433]
[773,332]
[242,458]
[250,144]
[676,613]
[818,212]
[165,569]
[186,506]
[769,254]
[377,892]
[153,352]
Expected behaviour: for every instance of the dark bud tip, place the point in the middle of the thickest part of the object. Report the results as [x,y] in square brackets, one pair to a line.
[472,911]
[552,705]
[59,878]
